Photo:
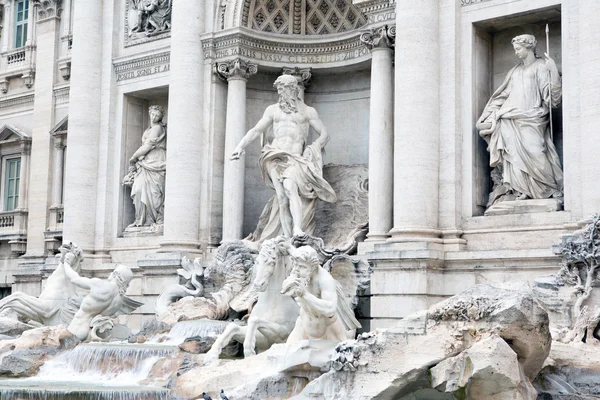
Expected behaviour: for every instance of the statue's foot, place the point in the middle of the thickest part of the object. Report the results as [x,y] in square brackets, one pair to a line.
[522,196]
[211,357]
[249,353]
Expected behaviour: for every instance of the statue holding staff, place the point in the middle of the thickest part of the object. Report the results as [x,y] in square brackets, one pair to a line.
[515,123]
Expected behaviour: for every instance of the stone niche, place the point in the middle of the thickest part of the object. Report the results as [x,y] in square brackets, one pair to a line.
[135,122]
[493,57]
[342,101]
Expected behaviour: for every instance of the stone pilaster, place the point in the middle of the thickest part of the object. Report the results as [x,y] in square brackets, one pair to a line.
[416,128]
[381,131]
[25,151]
[43,120]
[186,128]
[589,51]
[302,75]
[5,33]
[81,170]
[57,171]
[237,73]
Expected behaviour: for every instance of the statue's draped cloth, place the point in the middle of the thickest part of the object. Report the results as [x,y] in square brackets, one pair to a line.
[521,143]
[307,172]
[148,189]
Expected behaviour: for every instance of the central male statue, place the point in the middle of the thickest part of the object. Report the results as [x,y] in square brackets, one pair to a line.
[288,165]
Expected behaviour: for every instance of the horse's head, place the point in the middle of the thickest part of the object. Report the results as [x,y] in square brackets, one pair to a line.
[265,264]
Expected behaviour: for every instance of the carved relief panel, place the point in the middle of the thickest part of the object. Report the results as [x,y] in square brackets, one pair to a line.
[147,20]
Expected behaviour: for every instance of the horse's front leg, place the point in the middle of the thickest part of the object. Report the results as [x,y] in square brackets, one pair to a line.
[232,332]
[250,340]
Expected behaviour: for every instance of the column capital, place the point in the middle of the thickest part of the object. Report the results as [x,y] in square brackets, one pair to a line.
[384,37]
[48,8]
[302,75]
[235,69]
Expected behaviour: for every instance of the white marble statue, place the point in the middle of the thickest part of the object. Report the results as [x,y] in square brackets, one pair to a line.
[152,17]
[324,311]
[515,124]
[59,300]
[146,175]
[106,297]
[272,317]
[288,165]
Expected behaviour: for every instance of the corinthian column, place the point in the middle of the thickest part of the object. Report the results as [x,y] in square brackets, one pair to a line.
[302,75]
[81,172]
[237,73]
[186,125]
[381,132]
[417,128]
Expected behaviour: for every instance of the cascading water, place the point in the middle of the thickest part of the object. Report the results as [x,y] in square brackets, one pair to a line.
[98,371]
[186,329]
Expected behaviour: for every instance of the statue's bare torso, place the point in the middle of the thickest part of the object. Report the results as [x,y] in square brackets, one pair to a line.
[290,130]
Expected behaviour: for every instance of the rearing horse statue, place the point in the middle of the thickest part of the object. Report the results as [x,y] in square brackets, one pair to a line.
[274,314]
[57,303]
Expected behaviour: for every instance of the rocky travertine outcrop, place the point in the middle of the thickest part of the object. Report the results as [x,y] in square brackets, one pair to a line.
[485,343]
[24,356]
[465,327]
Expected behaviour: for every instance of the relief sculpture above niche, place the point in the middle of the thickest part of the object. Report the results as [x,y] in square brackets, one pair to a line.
[147,20]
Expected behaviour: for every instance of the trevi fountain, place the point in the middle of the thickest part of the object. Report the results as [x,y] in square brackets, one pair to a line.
[299,199]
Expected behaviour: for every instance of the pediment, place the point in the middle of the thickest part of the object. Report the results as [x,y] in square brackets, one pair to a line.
[11,132]
[61,127]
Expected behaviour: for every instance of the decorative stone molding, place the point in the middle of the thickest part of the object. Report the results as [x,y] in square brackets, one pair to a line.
[379,38]
[28,78]
[469,2]
[4,85]
[48,8]
[61,95]
[302,75]
[302,52]
[65,70]
[15,101]
[378,11]
[302,17]
[143,66]
[235,69]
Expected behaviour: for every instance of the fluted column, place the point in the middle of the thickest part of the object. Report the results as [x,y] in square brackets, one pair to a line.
[186,128]
[237,73]
[57,171]
[81,172]
[302,75]
[589,50]
[416,129]
[381,132]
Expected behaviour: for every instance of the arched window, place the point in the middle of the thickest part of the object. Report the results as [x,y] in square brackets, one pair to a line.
[302,17]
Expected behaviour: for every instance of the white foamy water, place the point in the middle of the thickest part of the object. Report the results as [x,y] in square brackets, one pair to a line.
[116,365]
[186,329]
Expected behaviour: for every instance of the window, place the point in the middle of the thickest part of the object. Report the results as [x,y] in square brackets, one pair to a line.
[11,183]
[22,18]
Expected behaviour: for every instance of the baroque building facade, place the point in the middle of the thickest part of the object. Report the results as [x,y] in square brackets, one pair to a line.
[398,84]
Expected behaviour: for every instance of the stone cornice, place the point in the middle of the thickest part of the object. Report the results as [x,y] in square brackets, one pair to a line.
[47,8]
[378,11]
[142,66]
[281,51]
[383,37]
[16,101]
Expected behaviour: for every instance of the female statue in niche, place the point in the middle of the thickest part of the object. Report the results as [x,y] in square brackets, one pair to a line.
[146,175]
[516,126]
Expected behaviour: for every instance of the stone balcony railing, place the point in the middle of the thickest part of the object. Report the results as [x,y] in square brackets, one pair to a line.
[53,235]
[13,228]
[17,63]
